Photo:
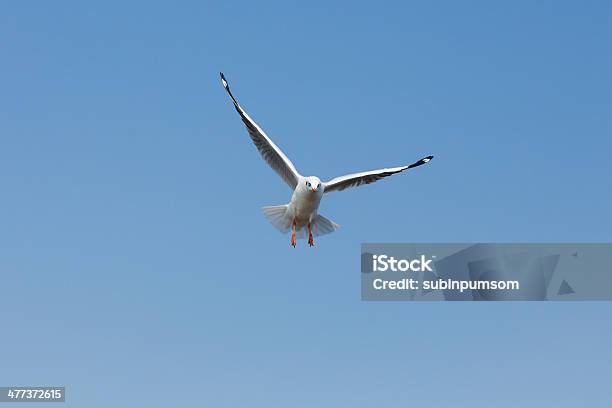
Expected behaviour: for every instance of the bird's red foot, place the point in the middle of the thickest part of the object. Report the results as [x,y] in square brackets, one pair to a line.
[293,229]
[310,240]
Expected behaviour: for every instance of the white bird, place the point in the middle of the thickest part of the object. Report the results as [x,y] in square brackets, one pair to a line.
[301,213]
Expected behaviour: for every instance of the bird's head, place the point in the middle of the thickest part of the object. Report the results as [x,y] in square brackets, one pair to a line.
[312,184]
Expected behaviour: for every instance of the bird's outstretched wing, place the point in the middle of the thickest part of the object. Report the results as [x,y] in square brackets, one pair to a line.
[367,177]
[269,151]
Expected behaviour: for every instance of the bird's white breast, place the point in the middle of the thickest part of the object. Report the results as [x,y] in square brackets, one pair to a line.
[304,205]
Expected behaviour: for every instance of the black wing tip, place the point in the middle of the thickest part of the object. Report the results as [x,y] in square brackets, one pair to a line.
[224,81]
[421,162]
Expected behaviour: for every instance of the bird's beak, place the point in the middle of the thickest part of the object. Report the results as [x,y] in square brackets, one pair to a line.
[314,190]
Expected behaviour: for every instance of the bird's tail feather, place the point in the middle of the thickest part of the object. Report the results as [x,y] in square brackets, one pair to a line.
[276,215]
[320,226]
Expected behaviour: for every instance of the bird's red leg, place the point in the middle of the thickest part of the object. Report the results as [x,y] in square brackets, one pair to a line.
[310,238]
[293,241]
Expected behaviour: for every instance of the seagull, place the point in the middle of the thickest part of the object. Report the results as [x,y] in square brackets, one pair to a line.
[301,214]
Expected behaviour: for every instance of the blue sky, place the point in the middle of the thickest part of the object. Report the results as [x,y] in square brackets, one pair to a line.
[137,268]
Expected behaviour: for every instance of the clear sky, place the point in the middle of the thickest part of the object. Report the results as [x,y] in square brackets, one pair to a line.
[137,269]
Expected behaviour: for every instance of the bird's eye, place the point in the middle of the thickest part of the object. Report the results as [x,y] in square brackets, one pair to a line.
[319,185]
[308,183]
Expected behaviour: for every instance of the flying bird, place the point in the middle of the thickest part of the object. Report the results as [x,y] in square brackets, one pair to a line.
[301,214]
